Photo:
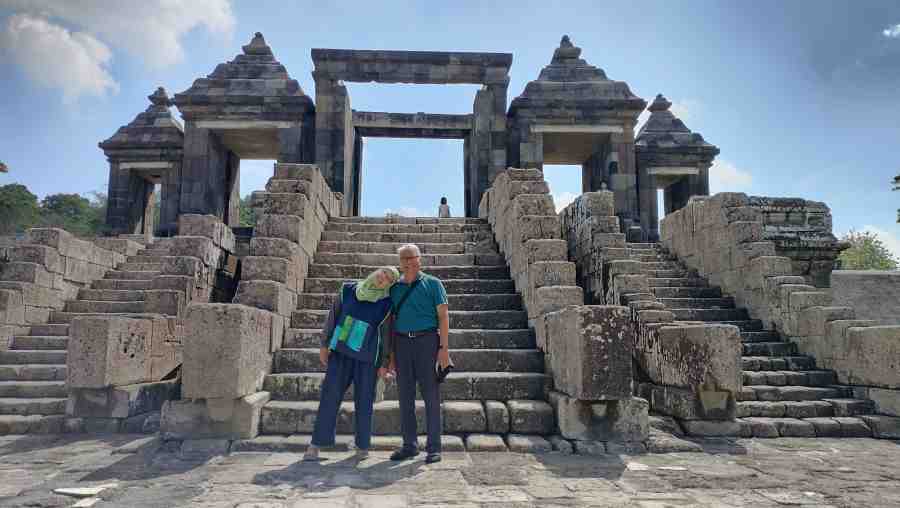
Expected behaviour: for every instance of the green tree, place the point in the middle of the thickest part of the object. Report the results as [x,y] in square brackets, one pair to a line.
[74,213]
[866,252]
[248,214]
[18,208]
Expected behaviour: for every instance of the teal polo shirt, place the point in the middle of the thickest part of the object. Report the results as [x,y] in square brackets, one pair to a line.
[420,310]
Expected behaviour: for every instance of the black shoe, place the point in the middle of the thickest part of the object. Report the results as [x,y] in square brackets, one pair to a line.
[404,453]
[431,458]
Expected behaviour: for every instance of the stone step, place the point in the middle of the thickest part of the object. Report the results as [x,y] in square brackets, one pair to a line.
[786,409]
[297,443]
[122,284]
[429,260]
[391,248]
[763,336]
[31,424]
[745,325]
[453,286]
[686,292]
[67,317]
[139,267]
[407,220]
[762,427]
[323,301]
[767,363]
[644,257]
[318,270]
[464,360]
[144,258]
[461,339]
[769,348]
[460,319]
[789,378]
[416,238]
[33,372]
[677,282]
[155,251]
[44,342]
[33,389]
[104,307]
[34,406]
[655,264]
[794,393]
[441,228]
[59,330]
[708,315]
[666,274]
[502,386]
[698,303]
[290,417]
[131,275]
[32,356]
[111,295]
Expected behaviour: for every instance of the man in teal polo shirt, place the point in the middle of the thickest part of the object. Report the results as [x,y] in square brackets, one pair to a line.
[421,340]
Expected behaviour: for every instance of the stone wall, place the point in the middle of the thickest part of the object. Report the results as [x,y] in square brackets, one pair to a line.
[873,294]
[689,371]
[45,269]
[722,238]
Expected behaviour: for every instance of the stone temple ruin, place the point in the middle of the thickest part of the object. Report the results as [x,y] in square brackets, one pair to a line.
[598,329]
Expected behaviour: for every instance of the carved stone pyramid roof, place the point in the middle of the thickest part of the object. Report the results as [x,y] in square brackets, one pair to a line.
[664,130]
[252,86]
[571,80]
[155,128]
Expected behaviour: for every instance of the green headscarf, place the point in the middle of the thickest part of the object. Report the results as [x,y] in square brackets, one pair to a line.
[366,290]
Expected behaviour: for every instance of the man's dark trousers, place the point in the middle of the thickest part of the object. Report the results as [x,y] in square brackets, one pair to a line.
[415,360]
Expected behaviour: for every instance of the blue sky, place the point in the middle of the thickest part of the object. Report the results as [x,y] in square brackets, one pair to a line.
[799,96]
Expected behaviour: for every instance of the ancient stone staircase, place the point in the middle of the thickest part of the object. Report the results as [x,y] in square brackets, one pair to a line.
[495,398]
[784,394]
[33,371]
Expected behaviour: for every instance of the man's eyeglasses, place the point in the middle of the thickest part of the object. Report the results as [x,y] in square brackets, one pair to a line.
[403,258]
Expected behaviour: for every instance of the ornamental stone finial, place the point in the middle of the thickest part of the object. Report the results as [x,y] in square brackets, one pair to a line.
[257,46]
[566,50]
[660,104]
[160,98]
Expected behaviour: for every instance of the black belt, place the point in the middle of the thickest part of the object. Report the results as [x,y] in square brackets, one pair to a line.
[420,333]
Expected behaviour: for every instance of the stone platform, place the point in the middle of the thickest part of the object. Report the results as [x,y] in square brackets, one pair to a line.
[139,472]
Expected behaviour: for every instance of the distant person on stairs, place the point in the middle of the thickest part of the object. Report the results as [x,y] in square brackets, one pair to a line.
[352,350]
[444,209]
[421,346]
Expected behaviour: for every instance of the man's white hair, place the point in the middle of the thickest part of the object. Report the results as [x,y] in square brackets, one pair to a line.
[409,248]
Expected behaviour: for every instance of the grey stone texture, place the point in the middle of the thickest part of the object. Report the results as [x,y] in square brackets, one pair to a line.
[145,152]
[109,351]
[671,157]
[874,295]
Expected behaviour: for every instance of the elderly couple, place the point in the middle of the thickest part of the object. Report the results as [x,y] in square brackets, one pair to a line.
[412,308]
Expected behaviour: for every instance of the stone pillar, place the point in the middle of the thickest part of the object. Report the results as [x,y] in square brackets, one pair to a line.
[169,201]
[127,201]
[357,172]
[334,125]
[646,184]
[479,150]
[623,178]
[205,181]
[498,136]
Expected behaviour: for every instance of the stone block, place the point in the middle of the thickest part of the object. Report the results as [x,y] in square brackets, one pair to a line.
[497,417]
[530,417]
[485,443]
[530,227]
[545,250]
[275,269]
[711,428]
[553,298]
[527,444]
[214,418]
[164,301]
[227,355]
[463,416]
[274,247]
[189,266]
[872,353]
[590,349]
[109,351]
[36,296]
[208,226]
[617,420]
[281,204]
[12,307]
[199,247]
[561,445]
[121,246]
[120,401]
[551,273]
[289,227]
[47,257]
[268,295]
[26,272]
[883,427]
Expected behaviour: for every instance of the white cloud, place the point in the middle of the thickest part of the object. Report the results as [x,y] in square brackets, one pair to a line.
[70,44]
[408,211]
[890,240]
[892,32]
[726,177]
[684,110]
[150,29]
[54,57]
[563,199]
[641,120]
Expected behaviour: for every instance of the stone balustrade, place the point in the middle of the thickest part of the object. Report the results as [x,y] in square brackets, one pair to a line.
[723,238]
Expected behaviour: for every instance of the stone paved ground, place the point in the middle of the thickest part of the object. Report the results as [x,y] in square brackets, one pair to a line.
[759,473]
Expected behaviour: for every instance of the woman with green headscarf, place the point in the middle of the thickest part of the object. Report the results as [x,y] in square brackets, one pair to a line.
[353,352]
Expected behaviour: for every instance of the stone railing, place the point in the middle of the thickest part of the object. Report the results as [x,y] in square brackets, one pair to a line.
[874,294]
[587,349]
[690,371]
[45,269]
[231,345]
[722,237]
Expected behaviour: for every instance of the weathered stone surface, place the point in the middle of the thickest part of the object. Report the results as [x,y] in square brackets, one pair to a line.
[485,443]
[530,417]
[213,418]
[527,444]
[590,350]
[109,351]
[711,428]
[120,401]
[227,355]
[617,420]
